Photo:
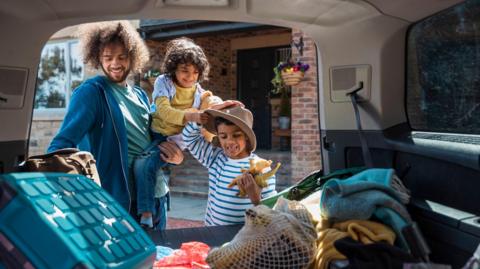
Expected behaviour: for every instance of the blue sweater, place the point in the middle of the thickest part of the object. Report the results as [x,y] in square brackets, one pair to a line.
[93,116]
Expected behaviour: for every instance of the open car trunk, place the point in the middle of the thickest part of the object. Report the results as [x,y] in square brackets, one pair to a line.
[357,41]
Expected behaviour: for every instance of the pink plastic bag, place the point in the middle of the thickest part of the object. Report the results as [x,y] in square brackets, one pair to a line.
[191,255]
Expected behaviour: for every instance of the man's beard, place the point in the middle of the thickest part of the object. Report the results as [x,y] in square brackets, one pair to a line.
[121,79]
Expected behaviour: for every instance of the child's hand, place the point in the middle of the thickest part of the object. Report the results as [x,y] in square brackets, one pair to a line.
[235,103]
[247,183]
[170,152]
[227,103]
[198,117]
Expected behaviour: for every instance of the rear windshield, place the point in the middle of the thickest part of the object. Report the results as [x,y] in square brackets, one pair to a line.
[443,71]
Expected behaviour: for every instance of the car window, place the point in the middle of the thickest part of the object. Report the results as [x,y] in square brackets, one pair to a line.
[443,64]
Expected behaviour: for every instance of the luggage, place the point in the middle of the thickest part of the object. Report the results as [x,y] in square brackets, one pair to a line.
[68,160]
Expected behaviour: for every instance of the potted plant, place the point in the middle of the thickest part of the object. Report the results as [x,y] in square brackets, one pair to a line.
[290,73]
[151,75]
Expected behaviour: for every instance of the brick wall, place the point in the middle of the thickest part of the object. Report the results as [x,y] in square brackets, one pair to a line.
[223,71]
[42,132]
[217,50]
[305,124]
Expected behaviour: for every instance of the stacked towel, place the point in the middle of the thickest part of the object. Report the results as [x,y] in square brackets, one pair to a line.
[376,193]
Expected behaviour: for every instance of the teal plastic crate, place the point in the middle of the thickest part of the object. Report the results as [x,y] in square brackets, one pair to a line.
[55,220]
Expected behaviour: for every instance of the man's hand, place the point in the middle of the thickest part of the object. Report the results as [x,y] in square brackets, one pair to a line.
[198,117]
[170,152]
[247,183]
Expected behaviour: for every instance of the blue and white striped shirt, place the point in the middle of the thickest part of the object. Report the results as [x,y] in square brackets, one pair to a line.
[224,207]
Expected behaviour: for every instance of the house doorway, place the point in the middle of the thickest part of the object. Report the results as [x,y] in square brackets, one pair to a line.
[255,70]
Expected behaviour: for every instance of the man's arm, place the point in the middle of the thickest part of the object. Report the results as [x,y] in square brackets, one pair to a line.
[80,117]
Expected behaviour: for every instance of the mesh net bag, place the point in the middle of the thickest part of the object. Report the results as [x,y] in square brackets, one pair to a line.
[283,237]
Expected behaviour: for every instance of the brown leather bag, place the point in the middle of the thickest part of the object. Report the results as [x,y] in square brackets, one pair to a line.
[68,160]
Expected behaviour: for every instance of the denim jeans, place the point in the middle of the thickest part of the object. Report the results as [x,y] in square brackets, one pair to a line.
[147,168]
[161,205]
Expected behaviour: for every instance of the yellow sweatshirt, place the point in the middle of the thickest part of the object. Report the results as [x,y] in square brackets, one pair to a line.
[169,117]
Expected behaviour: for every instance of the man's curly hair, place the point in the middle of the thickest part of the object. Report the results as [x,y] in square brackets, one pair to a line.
[184,51]
[95,36]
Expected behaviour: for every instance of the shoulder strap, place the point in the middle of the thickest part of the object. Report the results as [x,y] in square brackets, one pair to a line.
[367,158]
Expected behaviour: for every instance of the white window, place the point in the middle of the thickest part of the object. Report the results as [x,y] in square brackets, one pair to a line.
[59,72]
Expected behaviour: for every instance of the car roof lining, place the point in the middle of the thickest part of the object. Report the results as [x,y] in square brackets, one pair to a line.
[319,12]
[28,24]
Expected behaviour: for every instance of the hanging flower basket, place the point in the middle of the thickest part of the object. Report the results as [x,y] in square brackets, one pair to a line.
[291,78]
[288,74]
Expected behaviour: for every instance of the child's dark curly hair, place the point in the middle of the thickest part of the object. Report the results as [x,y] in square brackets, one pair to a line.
[184,51]
[95,36]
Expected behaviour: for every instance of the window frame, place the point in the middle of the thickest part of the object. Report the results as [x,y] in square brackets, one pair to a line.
[59,113]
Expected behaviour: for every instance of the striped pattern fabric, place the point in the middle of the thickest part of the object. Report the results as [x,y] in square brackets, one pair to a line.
[224,207]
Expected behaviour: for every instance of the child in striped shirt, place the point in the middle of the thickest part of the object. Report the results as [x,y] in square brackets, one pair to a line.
[224,158]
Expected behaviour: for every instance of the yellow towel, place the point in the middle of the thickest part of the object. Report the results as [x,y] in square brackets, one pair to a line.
[364,231]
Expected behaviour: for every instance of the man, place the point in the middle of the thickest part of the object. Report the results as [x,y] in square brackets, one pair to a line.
[110,116]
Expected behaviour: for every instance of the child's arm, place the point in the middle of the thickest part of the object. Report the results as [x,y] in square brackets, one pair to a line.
[200,149]
[171,115]
[166,113]
[198,117]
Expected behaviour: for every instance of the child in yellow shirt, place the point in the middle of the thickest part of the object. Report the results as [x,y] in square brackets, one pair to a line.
[175,91]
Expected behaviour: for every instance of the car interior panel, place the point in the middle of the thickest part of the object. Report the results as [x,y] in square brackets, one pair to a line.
[376,45]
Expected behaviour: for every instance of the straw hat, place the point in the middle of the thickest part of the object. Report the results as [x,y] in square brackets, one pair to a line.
[239,116]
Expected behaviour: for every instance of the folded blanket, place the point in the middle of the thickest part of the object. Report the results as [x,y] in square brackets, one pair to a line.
[371,193]
[364,231]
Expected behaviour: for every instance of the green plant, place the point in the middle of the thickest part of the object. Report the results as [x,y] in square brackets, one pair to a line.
[277,81]
[151,73]
[289,67]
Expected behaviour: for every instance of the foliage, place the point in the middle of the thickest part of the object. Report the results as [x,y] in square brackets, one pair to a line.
[292,67]
[280,88]
[289,66]
[151,73]
[51,74]
[56,99]
[60,70]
